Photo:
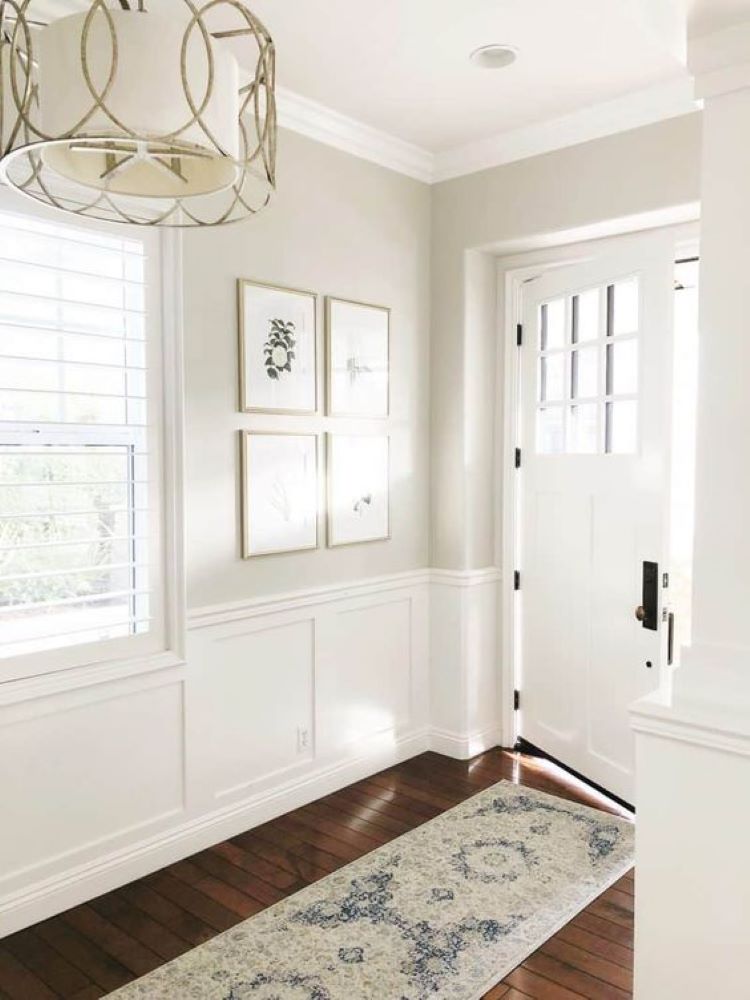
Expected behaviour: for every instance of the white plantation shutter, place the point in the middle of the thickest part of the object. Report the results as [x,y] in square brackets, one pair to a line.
[77,522]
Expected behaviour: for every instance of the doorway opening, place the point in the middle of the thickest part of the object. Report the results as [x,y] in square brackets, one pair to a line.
[603,419]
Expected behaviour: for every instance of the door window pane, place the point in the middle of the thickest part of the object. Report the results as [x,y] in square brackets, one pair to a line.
[584,429]
[585,373]
[624,307]
[587,316]
[550,430]
[622,427]
[622,368]
[553,325]
[588,359]
[552,378]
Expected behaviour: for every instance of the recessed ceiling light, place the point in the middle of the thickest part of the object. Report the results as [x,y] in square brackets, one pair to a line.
[494,56]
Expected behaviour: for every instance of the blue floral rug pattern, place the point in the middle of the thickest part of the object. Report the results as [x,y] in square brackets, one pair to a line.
[442,913]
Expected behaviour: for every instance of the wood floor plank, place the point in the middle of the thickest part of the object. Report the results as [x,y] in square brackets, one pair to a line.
[182,923]
[93,949]
[118,944]
[537,987]
[54,970]
[272,874]
[246,882]
[387,793]
[286,835]
[591,921]
[379,819]
[197,903]
[140,926]
[385,807]
[232,900]
[21,983]
[597,945]
[282,856]
[307,833]
[100,967]
[572,978]
[592,965]
[607,909]
[497,993]
[88,993]
[310,816]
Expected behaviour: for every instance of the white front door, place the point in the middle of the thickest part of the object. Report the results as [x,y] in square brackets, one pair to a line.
[594,433]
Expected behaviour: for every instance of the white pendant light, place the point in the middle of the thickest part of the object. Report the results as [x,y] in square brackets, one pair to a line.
[158,116]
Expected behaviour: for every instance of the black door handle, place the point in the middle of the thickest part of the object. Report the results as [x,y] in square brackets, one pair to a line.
[648,612]
[670,638]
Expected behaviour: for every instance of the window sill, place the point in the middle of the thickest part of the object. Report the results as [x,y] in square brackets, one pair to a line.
[72,679]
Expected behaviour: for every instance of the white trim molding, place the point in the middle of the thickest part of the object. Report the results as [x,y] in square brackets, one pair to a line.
[308,118]
[217,614]
[463,747]
[465,708]
[643,107]
[267,674]
[87,881]
[655,716]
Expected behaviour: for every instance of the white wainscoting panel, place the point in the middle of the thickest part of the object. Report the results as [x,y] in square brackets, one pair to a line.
[465,698]
[252,701]
[85,772]
[365,678]
[282,700]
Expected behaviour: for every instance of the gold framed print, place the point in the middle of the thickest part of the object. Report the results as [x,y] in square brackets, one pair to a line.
[358,358]
[279,493]
[278,349]
[358,488]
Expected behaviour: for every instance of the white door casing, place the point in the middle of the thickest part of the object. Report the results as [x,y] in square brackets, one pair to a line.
[593,505]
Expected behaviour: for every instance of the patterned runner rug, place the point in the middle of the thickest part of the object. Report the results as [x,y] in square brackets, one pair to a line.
[442,913]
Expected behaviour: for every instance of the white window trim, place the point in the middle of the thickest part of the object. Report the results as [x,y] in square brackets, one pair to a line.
[58,670]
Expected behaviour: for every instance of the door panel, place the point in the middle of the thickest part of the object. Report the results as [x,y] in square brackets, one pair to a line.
[594,416]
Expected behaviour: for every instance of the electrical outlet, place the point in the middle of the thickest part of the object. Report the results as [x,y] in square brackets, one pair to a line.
[303,739]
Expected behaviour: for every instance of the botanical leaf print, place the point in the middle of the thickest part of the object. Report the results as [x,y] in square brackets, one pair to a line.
[279,350]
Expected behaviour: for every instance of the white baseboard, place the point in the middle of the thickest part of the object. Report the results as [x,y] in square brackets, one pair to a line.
[44,899]
[463,746]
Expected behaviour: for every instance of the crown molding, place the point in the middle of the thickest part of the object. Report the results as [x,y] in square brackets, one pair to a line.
[720,61]
[316,121]
[642,107]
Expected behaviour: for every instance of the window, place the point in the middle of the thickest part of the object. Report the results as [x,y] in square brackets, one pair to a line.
[79,457]
[588,371]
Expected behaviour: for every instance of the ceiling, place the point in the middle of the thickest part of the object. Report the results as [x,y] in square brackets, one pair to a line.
[398,71]
[713,15]
[402,66]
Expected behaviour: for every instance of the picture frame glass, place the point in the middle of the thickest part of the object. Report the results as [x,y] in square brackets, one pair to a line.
[280,493]
[358,359]
[358,502]
[277,349]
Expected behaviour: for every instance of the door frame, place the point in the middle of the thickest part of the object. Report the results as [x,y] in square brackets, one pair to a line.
[514,272]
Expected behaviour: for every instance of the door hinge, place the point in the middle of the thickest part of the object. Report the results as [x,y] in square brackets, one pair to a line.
[516,700]
[518,458]
[665,580]
[516,579]
[519,334]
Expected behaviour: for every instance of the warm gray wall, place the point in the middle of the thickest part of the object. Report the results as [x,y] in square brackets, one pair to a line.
[646,170]
[338,225]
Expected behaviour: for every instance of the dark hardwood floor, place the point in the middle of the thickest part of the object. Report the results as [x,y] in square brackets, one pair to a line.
[95,948]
